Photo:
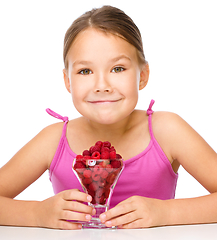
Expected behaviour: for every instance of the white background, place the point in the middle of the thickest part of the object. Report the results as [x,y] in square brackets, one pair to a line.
[180,44]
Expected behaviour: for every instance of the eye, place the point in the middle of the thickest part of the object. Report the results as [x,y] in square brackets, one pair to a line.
[85,72]
[118,69]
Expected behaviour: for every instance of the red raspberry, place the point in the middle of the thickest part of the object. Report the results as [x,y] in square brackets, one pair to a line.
[112,149]
[104,163]
[102,182]
[115,163]
[79,157]
[118,156]
[109,168]
[106,144]
[100,200]
[86,153]
[98,143]
[110,179]
[104,149]
[79,164]
[112,155]
[95,177]
[92,187]
[104,174]
[99,192]
[90,150]
[105,155]
[87,173]
[97,169]
[92,193]
[95,155]
[96,149]
[86,181]
[107,191]
[86,157]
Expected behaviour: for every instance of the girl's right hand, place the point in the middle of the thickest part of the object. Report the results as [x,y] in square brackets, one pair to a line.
[57,211]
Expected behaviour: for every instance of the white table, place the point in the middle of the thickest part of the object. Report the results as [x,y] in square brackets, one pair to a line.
[188,232]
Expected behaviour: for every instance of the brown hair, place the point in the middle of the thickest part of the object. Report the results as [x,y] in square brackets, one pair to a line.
[108,19]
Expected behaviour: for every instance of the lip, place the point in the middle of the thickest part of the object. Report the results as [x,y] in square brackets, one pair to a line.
[104,101]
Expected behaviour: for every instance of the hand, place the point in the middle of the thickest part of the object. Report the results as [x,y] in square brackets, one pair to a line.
[135,212]
[55,212]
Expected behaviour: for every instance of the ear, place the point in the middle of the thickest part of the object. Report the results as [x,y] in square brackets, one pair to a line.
[66,80]
[144,76]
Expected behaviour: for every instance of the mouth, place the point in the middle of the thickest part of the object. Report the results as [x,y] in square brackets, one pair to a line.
[104,101]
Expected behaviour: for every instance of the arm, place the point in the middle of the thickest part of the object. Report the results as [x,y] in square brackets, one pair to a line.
[22,170]
[183,145]
[200,160]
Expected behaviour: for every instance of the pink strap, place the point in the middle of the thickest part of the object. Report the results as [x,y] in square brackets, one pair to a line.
[150,111]
[56,115]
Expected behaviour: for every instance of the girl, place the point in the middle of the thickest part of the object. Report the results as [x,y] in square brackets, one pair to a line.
[105,67]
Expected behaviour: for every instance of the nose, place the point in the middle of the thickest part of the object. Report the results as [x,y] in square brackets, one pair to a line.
[102,85]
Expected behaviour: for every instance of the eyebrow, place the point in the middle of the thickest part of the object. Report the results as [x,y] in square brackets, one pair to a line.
[122,56]
[83,62]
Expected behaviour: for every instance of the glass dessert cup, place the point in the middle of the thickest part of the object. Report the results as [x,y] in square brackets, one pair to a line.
[98,178]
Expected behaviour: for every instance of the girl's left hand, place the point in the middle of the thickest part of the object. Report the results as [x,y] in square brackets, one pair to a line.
[136,212]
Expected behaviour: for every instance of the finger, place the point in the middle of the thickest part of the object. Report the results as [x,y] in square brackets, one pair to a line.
[78,207]
[67,225]
[117,211]
[75,194]
[135,224]
[75,216]
[122,220]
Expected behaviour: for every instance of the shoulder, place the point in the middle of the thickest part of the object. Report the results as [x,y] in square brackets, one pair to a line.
[47,140]
[52,131]
[166,121]
[170,130]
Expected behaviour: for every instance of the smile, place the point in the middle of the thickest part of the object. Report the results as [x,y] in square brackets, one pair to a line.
[104,101]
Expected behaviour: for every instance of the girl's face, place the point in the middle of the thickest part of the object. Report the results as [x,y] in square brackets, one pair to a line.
[104,76]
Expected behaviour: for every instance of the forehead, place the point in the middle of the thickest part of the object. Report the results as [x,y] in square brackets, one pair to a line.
[93,43]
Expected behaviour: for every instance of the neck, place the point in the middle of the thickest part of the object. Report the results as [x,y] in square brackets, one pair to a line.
[110,132]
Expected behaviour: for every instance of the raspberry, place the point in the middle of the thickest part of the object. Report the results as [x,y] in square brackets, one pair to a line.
[86,157]
[112,155]
[79,164]
[105,155]
[109,168]
[102,182]
[95,155]
[96,149]
[97,169]
[86,181]
[106,144]
[99,192]
[104,174]
[86,153]
[93,187]
[112,149]
[98,143]
[92,193]
[95,177]
[100,200]
[107,191]
[104,163]
[118,156]
[104,149]
[79,157]
[87,173]
[110,179]
[90,150]
[115,163]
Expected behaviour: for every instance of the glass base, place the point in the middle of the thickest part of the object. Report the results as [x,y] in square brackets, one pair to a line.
[95,221]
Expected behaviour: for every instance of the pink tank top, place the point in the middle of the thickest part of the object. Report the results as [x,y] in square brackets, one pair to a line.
[147,174]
